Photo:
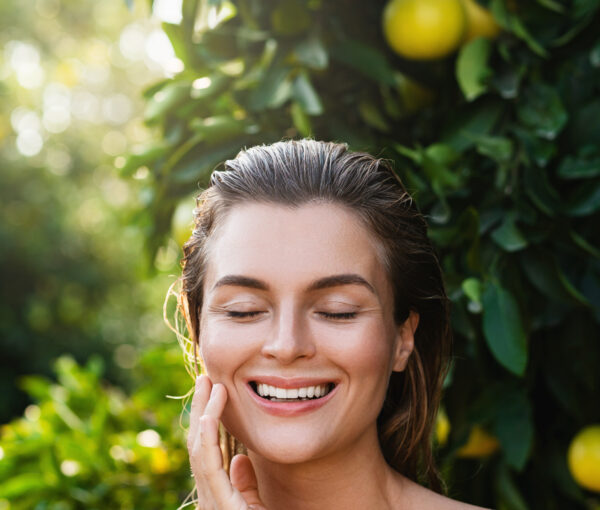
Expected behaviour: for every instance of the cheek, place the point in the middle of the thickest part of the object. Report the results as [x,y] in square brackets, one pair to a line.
[364,352]
[224,348]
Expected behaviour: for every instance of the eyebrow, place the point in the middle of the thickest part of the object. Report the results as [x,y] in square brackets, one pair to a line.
[320,284]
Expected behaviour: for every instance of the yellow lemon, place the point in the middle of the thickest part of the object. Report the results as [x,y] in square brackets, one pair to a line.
[480,22]
[424,29]
[584,458]
[442,427]
[479,444]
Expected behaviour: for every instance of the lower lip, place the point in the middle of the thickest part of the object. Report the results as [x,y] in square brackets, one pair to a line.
[291,408]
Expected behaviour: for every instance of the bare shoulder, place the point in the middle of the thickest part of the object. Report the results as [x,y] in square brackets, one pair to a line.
[417,497]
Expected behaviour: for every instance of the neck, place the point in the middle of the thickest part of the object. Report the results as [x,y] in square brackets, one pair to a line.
[355,477]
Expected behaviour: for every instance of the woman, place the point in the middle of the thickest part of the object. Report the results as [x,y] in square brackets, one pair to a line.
[316,301]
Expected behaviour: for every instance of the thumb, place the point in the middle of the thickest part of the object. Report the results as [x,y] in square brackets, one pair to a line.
[243,478]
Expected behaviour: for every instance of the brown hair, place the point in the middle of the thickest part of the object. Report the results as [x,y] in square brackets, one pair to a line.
[293,173]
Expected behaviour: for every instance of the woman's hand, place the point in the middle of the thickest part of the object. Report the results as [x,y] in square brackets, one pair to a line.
[215,490]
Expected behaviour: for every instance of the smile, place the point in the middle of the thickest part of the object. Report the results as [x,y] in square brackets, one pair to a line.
[276,394]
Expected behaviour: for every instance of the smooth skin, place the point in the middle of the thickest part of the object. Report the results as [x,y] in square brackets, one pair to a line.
[286,326]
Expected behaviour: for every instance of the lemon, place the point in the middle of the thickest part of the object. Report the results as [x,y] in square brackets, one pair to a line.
[479,444]
[584,458]
[480,22]
[424,29]
[442,427]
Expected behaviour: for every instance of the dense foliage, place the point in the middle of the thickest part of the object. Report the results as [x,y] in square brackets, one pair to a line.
[500,146]
[85,445]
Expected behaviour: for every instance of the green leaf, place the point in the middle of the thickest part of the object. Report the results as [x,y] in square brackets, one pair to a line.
[508,236]
[442,153]
[584,244]
[371,114]
[144,156]
[199,165]
[301,120]
[514,428]
[552,5]
[21,484]
[472,288]
[306,96]
[498,148]
[177,37]
[512,22]
[472,70]
[503,328]
[541,109]
[508,492]
[473,122]
[272,91]
[540,150]
[365,59]
[585,200]
[220,127]
[541,193]
[312,53]
[164,100]
[544,272]
[579,168]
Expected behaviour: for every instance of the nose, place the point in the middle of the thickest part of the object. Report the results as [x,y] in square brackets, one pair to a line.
[289,338]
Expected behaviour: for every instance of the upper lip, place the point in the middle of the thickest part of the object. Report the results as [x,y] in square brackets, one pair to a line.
[290,382]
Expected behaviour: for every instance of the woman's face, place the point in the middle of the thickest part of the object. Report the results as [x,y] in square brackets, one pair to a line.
[297,323]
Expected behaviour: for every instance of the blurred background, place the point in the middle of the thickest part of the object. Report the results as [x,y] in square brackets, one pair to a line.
[114,113]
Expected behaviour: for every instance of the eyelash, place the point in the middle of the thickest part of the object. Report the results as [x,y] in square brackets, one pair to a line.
[335,316]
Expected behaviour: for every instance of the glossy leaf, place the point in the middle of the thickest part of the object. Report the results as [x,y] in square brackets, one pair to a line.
[472,70]
[542,110]
[312,53]
[306,96]
[364,59]
[579,168]
[164,100]
[503,328]
[544,272]
[508,236]
[514,428]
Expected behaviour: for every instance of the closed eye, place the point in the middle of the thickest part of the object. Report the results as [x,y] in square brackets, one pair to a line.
[241,315]
[338,316]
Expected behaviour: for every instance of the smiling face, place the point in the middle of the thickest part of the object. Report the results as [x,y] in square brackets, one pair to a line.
[297,323]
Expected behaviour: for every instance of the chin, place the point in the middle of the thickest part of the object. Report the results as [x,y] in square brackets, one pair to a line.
[284,444]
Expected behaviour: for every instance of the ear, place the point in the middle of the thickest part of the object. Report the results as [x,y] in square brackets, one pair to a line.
[405,341]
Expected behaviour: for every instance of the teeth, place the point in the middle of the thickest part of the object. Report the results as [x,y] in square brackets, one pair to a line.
[268,391]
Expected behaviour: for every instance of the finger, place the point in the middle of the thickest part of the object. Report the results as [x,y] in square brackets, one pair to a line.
[216,401]
[211,466]
[199,401]
[243,478]
[214,408]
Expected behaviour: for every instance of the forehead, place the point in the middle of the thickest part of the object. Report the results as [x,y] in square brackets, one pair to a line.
[292,245]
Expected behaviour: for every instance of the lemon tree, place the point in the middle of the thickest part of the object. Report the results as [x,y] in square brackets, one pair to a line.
[424,29]
[497,138]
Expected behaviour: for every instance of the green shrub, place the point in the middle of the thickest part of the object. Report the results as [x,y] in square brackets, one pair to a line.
[86,445]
